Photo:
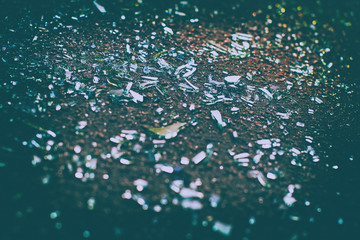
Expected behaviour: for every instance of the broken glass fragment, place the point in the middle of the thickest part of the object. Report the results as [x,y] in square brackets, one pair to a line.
[259,176]
[242,36]
[234,110]
[214,200]
[235,134]
[185,161]
[136,96]
[36,160]
[232,79]
[168,30]
[99,7]
[209,151]
[176,185]
[294,218]
[199,157]
[300,124]
[191,204]
[164,168]
[91,162]
[265,143]
[271,175]
[91,203]
[127,194]
[77,149]
[215,114]
[242,159]
[318,100]
[258,156]
[147,84]
[289,200]
[266,93]
[168,132]
[223,228]
[195,88]
[140,184]
[190,193]
[241,155]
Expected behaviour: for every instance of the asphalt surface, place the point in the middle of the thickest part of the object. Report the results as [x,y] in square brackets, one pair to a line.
[179,120]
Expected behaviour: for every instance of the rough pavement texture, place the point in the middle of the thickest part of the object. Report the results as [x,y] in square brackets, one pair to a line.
[85,95]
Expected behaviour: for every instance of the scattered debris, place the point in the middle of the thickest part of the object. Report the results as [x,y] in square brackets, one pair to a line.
[99,7]
[96,92]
